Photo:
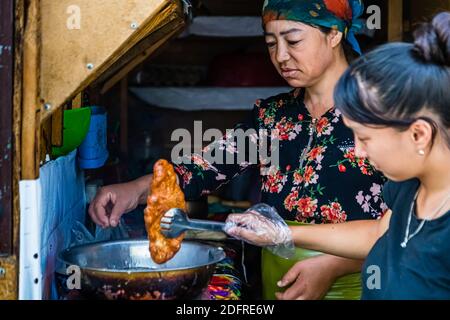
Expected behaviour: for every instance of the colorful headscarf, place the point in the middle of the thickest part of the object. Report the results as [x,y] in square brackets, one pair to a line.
[335,14]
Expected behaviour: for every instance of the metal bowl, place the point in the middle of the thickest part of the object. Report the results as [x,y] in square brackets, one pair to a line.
[125,270]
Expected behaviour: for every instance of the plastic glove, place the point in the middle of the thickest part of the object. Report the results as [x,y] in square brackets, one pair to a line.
[262,226]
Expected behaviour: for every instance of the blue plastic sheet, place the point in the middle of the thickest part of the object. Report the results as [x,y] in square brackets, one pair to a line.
[63,203]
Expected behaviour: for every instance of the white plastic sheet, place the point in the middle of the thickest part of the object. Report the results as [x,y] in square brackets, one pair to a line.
[239,26]
[225,27]
[205,98]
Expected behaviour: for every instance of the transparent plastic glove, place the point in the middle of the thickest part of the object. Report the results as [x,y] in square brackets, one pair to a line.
[262,226]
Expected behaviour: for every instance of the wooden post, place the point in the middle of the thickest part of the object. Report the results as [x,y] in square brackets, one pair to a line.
[45,140]
[57,128]
[31,110]
[395,20]
[6,103]
[77,102]
[19,22]
[8,144]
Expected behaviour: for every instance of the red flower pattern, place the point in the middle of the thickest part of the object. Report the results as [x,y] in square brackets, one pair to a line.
[187,175]
[323,126]
[315,152]
[309,176]
[274,181]
[291,201]
[298,178]
[333,213]
[362,163]
[284,127]
[262,113]
[306,208]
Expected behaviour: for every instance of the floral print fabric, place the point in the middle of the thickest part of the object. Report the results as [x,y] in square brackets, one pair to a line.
[318,180]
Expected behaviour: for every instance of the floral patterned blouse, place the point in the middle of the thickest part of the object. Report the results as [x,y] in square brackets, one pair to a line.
[318,180]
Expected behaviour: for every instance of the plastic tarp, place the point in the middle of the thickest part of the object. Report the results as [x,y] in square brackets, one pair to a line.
[205,98]
[63,203]
[60,201]
[238,26]
[225,27]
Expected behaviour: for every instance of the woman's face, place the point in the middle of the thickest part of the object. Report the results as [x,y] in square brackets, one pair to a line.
[300,53]
[389,150]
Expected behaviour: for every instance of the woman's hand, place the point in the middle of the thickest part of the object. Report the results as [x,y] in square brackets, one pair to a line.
[262,226]
[309,279]
[112,201]
[312,278]
[255,229]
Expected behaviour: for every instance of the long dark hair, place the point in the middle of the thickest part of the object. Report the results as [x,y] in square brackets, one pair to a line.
[393,84]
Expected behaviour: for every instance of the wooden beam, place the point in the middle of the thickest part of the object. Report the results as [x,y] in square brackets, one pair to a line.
[45,147]
[141,53]
[77,102]
[107,30]
[31,110]
[17,117]
[57,128]
[395,20]
[8,263]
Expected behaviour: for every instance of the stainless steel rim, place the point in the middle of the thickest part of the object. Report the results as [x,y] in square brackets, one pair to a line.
[216,253]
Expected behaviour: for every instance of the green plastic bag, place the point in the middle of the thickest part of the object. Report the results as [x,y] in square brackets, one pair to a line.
[274,268]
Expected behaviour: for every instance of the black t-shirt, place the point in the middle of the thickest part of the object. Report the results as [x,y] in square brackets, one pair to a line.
[421,270]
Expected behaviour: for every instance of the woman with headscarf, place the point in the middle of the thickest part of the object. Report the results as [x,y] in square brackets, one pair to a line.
[318,179]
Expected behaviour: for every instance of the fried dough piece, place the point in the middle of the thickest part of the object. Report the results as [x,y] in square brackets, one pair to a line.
[165,195]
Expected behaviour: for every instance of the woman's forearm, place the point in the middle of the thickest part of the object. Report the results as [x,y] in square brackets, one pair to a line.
[349,240]
[343,266]
[143,186]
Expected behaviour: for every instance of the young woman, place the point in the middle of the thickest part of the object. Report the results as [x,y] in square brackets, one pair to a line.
[396,100]
[307,41]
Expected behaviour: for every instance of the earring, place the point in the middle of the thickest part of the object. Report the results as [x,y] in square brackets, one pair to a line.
[421,152]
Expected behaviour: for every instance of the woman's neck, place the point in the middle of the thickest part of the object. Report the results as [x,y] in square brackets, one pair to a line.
[319,96]
[436,176]
[435,184]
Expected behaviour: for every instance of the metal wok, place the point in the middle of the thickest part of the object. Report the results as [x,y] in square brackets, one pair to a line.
[124,270]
